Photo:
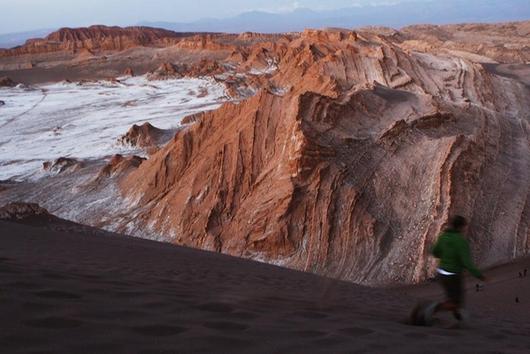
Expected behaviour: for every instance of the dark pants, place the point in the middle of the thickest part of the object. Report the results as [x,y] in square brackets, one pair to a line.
[453,287]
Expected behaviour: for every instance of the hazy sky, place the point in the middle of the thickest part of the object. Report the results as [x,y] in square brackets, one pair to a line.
[24,15]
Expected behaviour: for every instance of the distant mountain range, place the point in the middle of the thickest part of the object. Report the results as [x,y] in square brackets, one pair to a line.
[14,39]
[392,15]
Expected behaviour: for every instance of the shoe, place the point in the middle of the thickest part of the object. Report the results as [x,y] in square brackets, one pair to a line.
[429,313]
[463,318]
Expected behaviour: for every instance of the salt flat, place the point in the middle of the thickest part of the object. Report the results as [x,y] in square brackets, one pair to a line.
[84,121]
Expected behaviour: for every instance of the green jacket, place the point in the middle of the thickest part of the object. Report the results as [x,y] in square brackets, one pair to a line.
[453,251]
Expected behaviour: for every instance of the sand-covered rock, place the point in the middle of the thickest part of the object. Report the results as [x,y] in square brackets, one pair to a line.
[22,211]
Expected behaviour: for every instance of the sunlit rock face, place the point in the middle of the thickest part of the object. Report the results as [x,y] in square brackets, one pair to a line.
[96,38]
[353,170]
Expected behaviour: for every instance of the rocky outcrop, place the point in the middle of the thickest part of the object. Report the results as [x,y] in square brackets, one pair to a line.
[348,164]
[503,43]
[145,136]
[164,72]
[204,67]
[98,38]
[62,164]
[119,165]
[128,72]
[210,42]
[22,211]
[7,82]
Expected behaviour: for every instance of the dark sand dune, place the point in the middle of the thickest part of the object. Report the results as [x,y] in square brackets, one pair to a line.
[83,291]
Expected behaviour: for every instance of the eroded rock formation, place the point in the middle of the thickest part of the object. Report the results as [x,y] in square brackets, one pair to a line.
[504,43]
[145,136]
[62,164]
[97,38]
[348,163]
[164,72]
[119,165]
[7,82]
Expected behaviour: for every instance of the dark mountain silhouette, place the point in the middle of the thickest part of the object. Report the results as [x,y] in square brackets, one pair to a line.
[393,15]
[10,40]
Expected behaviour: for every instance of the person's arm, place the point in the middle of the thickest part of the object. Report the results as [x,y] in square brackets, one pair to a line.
[465,258]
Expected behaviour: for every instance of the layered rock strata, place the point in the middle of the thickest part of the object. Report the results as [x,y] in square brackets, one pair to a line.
[97,38]
[348,164]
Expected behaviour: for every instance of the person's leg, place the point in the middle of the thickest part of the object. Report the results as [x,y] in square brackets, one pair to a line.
[448,284]
[458,296]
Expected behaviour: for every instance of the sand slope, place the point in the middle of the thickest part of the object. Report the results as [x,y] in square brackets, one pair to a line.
[84,291]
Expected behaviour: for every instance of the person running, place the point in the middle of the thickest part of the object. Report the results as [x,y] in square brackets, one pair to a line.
[452,249]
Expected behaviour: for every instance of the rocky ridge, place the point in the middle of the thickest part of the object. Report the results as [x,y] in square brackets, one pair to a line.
[348,163]
[502,43]
[97,38]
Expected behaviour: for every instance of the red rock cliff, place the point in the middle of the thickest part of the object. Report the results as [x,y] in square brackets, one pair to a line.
[96,38]
[350,165]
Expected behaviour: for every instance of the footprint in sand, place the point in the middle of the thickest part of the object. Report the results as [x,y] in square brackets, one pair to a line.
[225,326]
[37,306]
[221,341]
[56,294]
[8,270]
[217,307]
[310,314]
[356,331]
[159,330]
[496,336]
[244,315]
[446,333]
[53,323]
[22,285]
[309,334]
[52,275]
[330,341]
[416,335]
[21,342]
[128,294]
[116,315]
